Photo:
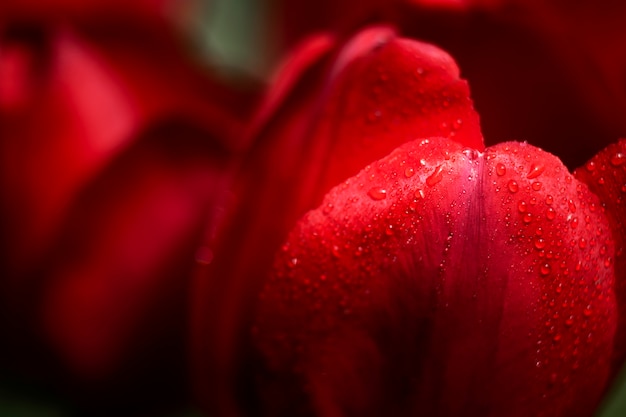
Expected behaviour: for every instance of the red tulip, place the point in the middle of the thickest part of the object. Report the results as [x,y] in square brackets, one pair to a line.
[549,72]
[117,153]
[384,262]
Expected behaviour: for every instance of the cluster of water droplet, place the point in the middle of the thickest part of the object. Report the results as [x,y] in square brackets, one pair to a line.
[485,241]
[559,229]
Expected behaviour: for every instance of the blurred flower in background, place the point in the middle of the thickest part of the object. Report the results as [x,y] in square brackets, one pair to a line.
[118,147]
[141,186]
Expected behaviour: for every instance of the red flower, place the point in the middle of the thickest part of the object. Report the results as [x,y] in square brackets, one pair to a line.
[549,72]
[117,153]
[384,262]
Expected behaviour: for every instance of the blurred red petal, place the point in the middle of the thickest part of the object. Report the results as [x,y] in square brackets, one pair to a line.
[605,175]
[442,282]
[141,11]
[111,297]
[86,101]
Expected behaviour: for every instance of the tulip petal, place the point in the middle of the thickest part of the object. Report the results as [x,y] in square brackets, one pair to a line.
[87,101]
[442,281]
[347,109]
[114,290]
[605,175]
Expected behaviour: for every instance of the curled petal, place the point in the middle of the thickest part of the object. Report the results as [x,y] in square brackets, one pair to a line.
[443,281]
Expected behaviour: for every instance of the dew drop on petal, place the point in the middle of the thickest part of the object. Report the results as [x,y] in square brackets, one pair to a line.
[522,207]
[409,172]
[550,213]
[435,177]
[500,169]
[540,243]
[618,159]
[536,186]
[571,206]
[512,186]
[527,218]
[377,193]
[535,171]
[544,270]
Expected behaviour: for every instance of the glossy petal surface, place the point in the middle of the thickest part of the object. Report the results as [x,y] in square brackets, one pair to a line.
[443,282]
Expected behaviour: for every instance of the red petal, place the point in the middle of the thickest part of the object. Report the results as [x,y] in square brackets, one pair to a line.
[378,92]
[550,72]
[605,175]
[114,291]
[84,101]
[443,282]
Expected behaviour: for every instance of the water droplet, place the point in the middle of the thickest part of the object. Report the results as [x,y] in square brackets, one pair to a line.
[435,177]
[540,243]
[574,223]
[536,186]
[522,207]
[618,159]
[545,269]
[535,171]
[527,218]
[377,193]
[328,208]
[571,206]
[582,243]
[601,181]
[591,166]
[409,172]
[512,186]
[549,200]
[419,193]
[471,154]
[588,312]
[500,169]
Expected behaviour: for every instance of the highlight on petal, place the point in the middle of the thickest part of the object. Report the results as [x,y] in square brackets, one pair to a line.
[442,281]
[352,106]
[605,175]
